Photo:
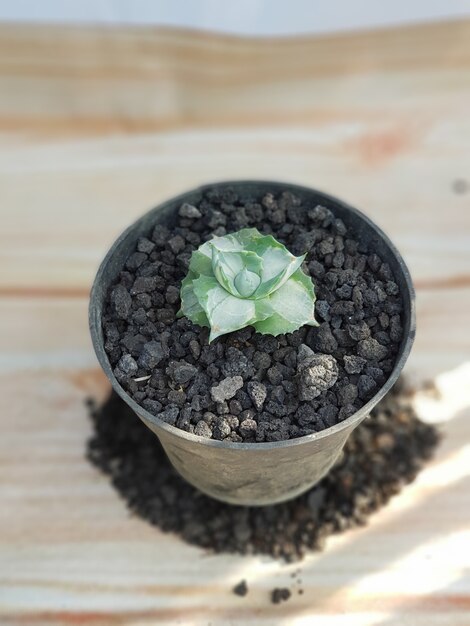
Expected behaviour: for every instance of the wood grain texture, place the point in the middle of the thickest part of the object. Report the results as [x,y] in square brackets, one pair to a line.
[97,125]
[380,119]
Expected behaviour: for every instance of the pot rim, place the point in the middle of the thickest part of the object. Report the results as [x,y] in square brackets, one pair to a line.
[353,420]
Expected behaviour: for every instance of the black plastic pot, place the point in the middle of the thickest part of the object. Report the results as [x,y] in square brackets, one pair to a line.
[252,473]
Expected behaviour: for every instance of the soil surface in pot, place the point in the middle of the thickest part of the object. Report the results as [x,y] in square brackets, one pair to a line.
[383,454]
[245,386]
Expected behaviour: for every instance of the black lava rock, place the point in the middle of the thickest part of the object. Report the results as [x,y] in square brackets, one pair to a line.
[121,302]
[352,352]
[257,392]
[203,429]
[241,589]
[371,350]
[127,365]
[151,355]
[353,364]
[189,211]
[366,386]
[170,414]
[315,375]
[280,594]
[181,372]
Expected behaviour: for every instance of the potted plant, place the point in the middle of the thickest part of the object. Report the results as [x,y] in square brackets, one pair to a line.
[252,326]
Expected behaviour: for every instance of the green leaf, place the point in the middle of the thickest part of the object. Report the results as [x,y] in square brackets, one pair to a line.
[263,309]
[237,241]
[200,263]
[246,283]
[293,306]
[244,279]
[225,312]
[231,243]
[190,306]
[278,263]
[275,256]
[227,266]
[247,235]
[267,287]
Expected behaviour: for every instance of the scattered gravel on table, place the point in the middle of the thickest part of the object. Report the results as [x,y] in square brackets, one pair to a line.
[241,589]
[280,594]
[261,388]
[384,453]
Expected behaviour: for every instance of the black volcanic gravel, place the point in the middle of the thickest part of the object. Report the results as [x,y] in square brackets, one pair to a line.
[280,594]
[246,386]
[241,589]
[385,452]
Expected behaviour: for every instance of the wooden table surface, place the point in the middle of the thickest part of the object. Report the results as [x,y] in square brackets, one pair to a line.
[96,126]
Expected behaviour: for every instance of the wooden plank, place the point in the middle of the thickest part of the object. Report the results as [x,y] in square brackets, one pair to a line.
[361,114]
[146,79]
[90,190]
[100,124]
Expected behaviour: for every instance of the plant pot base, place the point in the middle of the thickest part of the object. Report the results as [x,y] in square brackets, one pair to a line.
[253,473]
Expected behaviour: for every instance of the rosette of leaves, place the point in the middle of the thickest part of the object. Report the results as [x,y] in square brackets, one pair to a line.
[247,279]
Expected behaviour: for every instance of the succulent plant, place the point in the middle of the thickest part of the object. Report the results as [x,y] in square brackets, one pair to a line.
[247,279]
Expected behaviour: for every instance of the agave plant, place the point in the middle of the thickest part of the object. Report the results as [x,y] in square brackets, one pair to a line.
[247,279]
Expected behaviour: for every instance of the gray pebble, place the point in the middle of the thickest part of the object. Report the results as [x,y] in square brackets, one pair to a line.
[127,365]
[227,388]
[189,211]
[261,360]
[371,349]
[172,294]
[232,421]
[170,414]
[323,309]
[195,348]
[323,339]
[359,331]
[316,375]
[347,394]
[346,411]
[143,284]
[274,375]
[221,428]
[248,427]
[257,392]
[353,364]
[145,245]
[121,302]
[136,260]
[365,385]
[176,244]
[152,354]
[304,353]
[181,373]
[202,429]
[209,417]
